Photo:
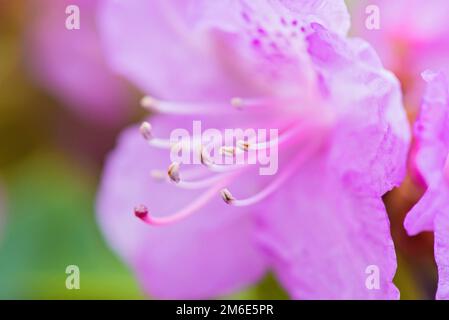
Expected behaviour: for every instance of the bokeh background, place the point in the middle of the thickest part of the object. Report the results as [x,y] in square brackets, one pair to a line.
[51,157]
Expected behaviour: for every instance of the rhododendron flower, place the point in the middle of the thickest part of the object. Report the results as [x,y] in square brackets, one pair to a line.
[319,224]
[412,37]
[70,64]
[431,159]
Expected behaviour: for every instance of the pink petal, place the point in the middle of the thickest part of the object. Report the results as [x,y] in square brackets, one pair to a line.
[156,45]
[421,217]
[330,13]
[372,136]
[407,48]
[322,238]
[442,249]
[431,154]
[431,128]
[206,255]
[70,63]
[220,48]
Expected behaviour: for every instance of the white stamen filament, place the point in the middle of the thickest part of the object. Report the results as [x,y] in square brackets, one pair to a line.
[245,103]
[143,213]
[147,133]
[283,138]
[186,108]
[273,186]
[446,170]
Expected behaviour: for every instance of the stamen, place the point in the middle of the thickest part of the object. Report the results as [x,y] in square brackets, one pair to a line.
[243,145]
[158,175]
[200,184]
[228,151]
[162,176]
[298,161]
[288,135]
[146,131]
[187,108]
[173,172]
[143,213]
[244,103]
[221,168]
[227,196]
[237,102]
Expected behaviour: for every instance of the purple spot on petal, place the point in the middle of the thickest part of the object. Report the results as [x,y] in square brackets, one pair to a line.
[246,17]
[262,31]
[256,42]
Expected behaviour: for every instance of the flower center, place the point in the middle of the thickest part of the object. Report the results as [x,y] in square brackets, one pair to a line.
[297,142]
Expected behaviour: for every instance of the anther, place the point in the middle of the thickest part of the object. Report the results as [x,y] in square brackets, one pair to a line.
[237,102]
[148,102]
[173,172]
[145,130]
[227,196]
[228,151]
[243,145]
[141,212]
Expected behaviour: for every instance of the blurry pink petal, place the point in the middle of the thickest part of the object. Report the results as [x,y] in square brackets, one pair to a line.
[70,63]
[209,254]
[371,138]
[432,128]
[431,162]
[322,238]
[442,249]
[318,88]
[412,37]
[267,36]
[156,45]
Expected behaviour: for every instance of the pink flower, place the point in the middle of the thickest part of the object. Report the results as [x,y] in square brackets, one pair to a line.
[70,64]
[320,223]
[432,162]
[412,37]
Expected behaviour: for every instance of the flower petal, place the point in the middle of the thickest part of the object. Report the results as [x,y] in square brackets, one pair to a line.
[372,136]
[69,63]
[431,128]
[442,250]
[210,253]
[331,14]
[217,45]
[324,239]
[156,45]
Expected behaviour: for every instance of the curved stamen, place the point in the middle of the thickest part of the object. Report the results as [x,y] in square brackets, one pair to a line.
[147,133]
[143,213]
[186,108]
[228,151]
[173,172]
[200,184]
[161,176]
[245,103]
[293,133]
[158,175]
[298,161]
